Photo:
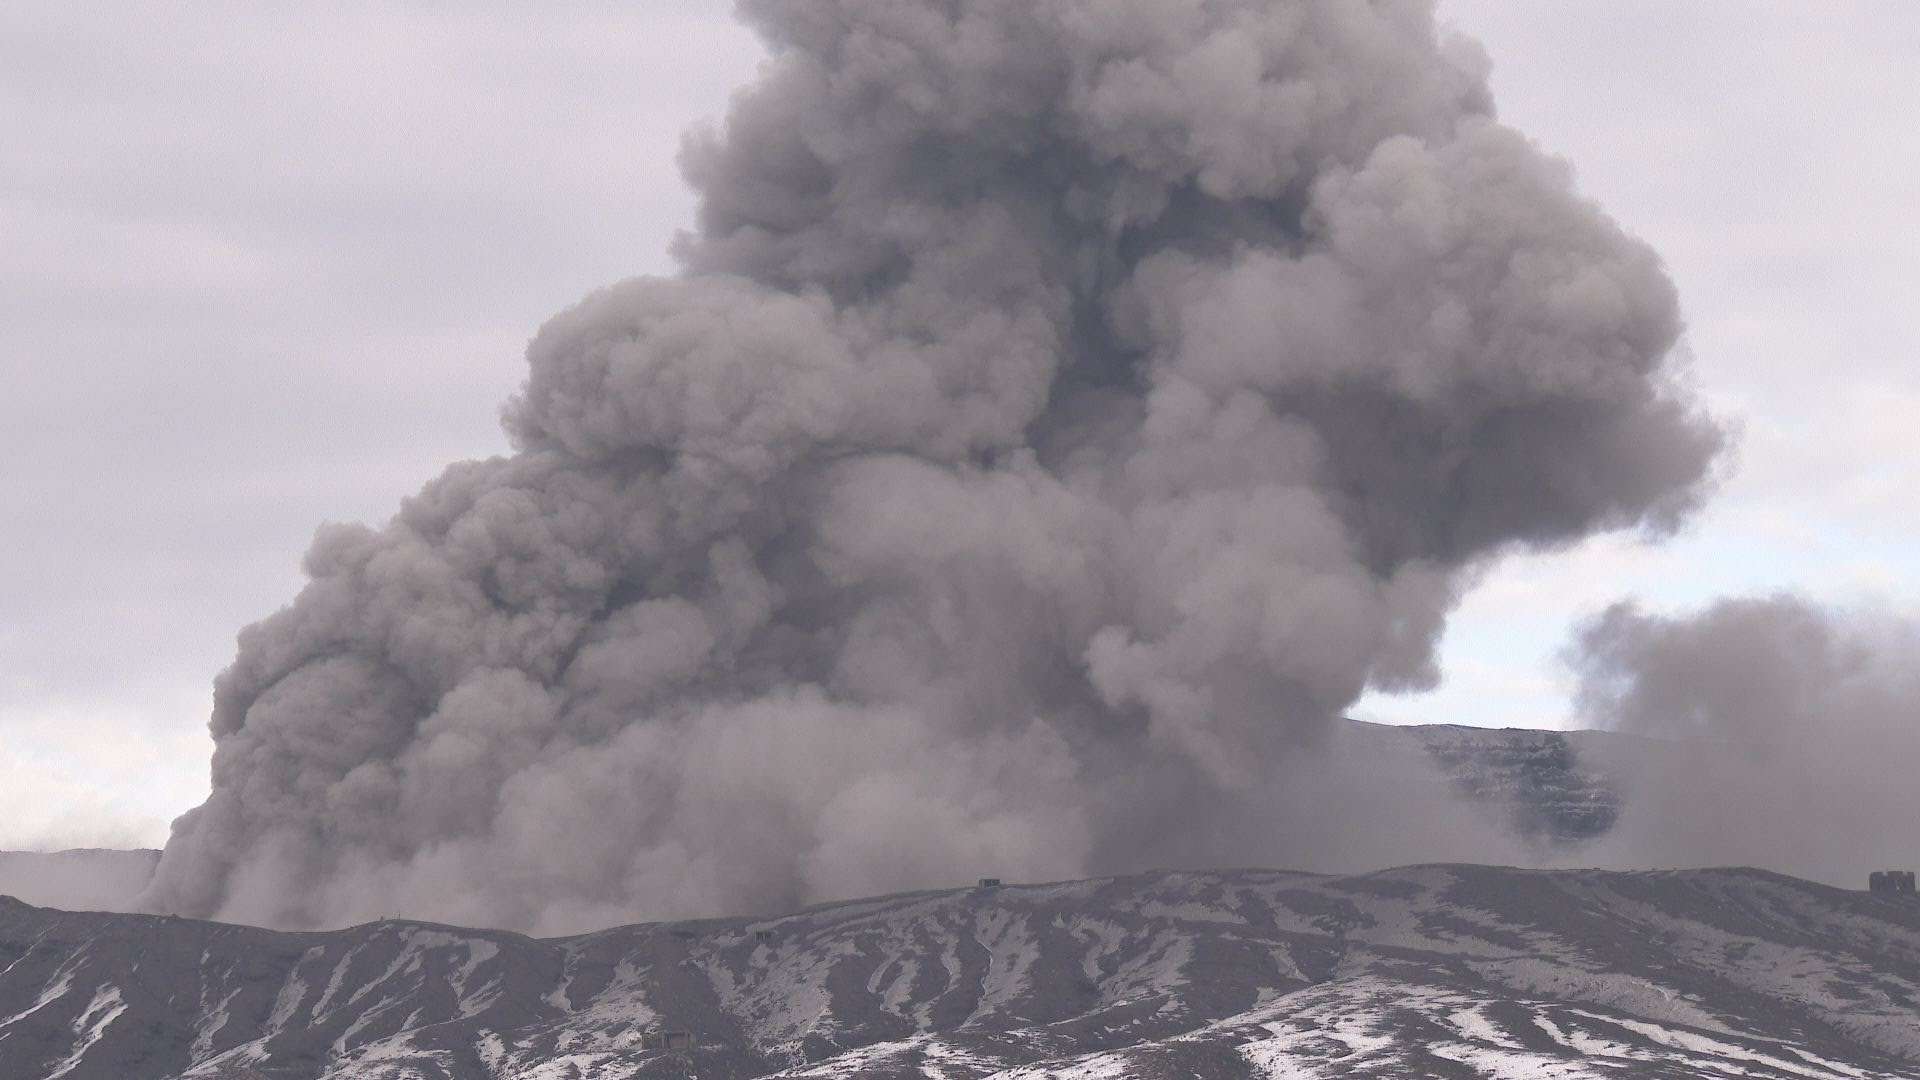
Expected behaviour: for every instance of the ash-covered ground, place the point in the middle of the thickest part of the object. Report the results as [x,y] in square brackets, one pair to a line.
[1454,971]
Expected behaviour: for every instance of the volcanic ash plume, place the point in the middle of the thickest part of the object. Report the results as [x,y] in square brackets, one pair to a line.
[1066,409]
[1793,735]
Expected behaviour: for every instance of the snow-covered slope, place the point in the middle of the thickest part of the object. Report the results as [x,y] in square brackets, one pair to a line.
[1428,971]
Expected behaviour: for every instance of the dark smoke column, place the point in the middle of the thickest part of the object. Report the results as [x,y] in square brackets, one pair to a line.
[1066,408]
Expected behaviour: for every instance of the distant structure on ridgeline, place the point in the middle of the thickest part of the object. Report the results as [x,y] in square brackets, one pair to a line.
[666,1040]
[1891,882]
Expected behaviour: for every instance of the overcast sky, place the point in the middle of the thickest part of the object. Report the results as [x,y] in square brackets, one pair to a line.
[260,271]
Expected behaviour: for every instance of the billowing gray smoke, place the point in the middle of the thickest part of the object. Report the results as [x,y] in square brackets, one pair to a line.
[1066,409]
[1791,735]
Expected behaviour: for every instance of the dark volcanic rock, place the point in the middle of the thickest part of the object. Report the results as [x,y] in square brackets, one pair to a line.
[1555,790]
[1540,779]
[1427,971]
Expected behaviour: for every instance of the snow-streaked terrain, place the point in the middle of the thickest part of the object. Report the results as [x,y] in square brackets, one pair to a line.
[1426,971]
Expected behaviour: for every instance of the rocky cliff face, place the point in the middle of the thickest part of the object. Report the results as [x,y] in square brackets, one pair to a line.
[1554,788]
[1428,971]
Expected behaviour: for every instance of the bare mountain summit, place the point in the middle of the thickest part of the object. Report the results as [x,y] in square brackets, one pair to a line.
[1429,971]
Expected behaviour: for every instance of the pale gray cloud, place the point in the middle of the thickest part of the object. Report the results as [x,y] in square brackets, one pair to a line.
[1788,734]
[1766,151]
[1066,412]
[268,269]
[265,268]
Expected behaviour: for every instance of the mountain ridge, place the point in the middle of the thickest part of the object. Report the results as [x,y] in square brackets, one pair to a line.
[1439,969]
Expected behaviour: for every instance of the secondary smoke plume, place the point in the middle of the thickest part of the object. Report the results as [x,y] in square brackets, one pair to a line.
[1066,409]
[1791,735]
